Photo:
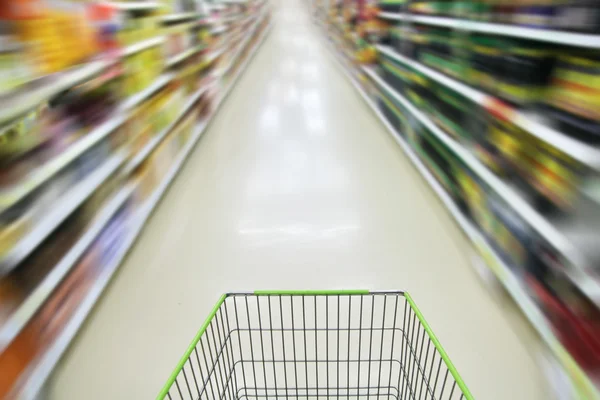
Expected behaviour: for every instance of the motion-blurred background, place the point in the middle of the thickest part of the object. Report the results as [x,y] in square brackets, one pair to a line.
[100,104]
[500,102]
[496,102]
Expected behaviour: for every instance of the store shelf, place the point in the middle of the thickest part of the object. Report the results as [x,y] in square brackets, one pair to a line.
[580,151]
[134,5]
[206,21]
[15,104]
[176,59]
[217,30]
[19,319]
[243,44]
[590,41]
[10,196]
[214,54]
[581,385]
[143,45]
[178,17]
[155,141]
[553,236]
[230,19]
[138,98]
[40,372]
[69,202]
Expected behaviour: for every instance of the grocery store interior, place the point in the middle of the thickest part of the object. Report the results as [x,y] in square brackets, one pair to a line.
[168,152]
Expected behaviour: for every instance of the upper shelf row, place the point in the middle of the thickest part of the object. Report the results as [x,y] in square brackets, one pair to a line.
[583,40]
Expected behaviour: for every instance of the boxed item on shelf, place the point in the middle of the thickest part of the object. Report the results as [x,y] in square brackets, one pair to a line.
[572,316]
[439,48]
[23,135]
[551,175]
[573,96]
[392,5]
[141,70]
[178,42]
[60,36]
[514,70]
[139,28]
[454,114]
[16,66]
[41,332]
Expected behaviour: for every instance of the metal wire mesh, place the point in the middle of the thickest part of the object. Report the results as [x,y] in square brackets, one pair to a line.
[347,346]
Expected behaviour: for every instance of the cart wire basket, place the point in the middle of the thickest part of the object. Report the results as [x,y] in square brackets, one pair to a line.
[351,344]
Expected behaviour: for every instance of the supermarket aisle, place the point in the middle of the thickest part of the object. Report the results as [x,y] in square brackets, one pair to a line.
[295,185]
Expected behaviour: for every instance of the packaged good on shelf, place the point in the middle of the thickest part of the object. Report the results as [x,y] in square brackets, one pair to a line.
[440,161]
[553,175]
[137,28]
[498,147]
[508,234]
[573,15]
[179,6]
[397,75]
[141,70]
[17,357]
[100,196]
[573,97]
[454,114]
[16,68]
[110,241]
[578,15]
[550,176]
[441,49]
[40,333]
[441,8]
[526,71]
[23,135]
[474,197]
[392,5]
[178,42]
[88,104]
[14,224]
[391,113]
[145,181]
[61,36]
[573,317]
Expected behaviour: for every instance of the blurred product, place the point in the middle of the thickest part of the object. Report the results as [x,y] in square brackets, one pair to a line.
[574,96]
[101,104]
[504,124]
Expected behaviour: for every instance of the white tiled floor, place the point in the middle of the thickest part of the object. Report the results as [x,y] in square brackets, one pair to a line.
[295,185]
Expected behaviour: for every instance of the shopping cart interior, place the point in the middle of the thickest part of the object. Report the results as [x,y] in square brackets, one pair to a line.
[352,344]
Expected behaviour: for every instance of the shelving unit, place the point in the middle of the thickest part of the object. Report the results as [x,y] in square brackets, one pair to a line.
[183,16]
[589,41]
[125,166]
[143,45]
[183,55]
[581,385]
[70,201]
[134,5]
[10,196]
[580,151]
[16,104]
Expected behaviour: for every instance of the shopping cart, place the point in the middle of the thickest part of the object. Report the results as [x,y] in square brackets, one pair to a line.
[350,344]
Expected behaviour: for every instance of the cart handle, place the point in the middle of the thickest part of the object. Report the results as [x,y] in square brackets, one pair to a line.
[310,292]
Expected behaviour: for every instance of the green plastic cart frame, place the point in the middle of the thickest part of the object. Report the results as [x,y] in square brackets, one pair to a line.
[346,344]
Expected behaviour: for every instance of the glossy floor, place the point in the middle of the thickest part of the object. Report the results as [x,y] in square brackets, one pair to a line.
[296,184]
